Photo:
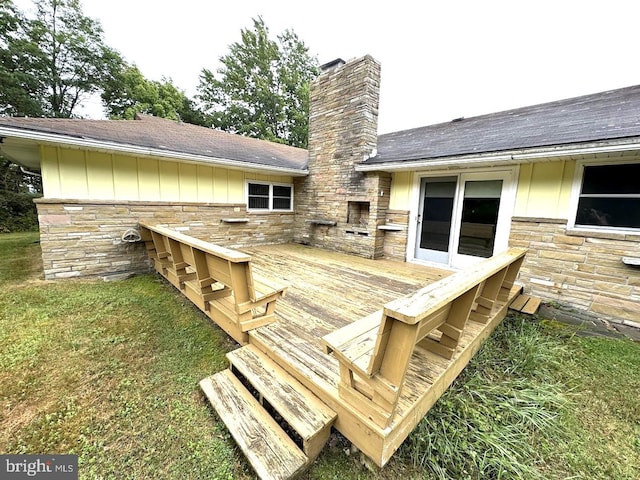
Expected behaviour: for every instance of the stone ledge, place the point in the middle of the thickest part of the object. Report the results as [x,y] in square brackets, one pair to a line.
[330,223]
[390,227]
[632,261]
[558,221]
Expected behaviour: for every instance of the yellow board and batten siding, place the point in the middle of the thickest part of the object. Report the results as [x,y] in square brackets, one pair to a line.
[401,187]
[91,175]
[544,189]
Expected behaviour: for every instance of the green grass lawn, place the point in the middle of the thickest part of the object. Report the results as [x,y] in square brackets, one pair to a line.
[110,371]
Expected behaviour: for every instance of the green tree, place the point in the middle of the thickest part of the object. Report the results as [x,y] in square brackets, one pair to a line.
[50,63]
[17,192]
[129,92]
[77,61]
[22,88]
[262,88]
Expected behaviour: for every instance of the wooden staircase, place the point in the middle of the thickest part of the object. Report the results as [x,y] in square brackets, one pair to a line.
[278,423]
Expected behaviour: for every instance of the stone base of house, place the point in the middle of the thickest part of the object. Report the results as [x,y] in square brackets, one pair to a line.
[581,269]
[85,238]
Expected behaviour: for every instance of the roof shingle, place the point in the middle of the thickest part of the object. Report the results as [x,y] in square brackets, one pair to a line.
[614,114]
[170,136]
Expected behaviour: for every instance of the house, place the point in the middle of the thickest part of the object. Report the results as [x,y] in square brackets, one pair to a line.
[561,179]
[101,177]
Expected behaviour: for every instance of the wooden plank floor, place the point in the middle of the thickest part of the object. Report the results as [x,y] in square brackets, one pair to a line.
[327,291]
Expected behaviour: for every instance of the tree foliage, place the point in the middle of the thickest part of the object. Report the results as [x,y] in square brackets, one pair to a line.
[262,88]
[76,60]
[129,92]
[22,90]
[51,62]
[17,192]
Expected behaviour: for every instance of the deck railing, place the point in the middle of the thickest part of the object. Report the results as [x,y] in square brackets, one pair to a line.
[374,352]
[219,280]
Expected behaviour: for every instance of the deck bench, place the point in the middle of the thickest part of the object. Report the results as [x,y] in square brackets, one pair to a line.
[219,280]
[374,352]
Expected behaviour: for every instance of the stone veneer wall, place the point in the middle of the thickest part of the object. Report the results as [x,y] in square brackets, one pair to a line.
[343,132]
[583,270]
[83,238]
[395,242]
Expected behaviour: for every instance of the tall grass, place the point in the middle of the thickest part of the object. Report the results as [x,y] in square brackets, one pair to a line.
[496,419]
[110,371]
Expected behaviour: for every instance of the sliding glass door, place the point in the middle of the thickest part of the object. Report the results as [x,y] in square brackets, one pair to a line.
[463,218]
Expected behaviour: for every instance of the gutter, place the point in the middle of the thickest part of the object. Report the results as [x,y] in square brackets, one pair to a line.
[491,159]
[147,151]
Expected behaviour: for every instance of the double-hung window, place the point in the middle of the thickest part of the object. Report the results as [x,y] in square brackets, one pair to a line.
[269,197]
[609,197]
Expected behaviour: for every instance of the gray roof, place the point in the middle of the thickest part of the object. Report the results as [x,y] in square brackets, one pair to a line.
[169,136]
[602,116]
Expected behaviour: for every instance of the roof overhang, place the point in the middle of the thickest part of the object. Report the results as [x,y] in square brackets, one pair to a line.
[510,157]
[101,145]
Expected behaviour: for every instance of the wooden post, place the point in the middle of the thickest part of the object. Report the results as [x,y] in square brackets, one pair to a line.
[239,282]
[179,265]
[487,297]
[453,327]
[509,279]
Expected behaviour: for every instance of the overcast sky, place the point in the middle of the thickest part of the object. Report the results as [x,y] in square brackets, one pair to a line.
[440,59]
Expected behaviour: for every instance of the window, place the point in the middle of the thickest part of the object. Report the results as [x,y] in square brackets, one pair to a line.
[268,196]
[609,197]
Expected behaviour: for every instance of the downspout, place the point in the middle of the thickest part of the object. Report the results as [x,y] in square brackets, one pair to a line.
[27,172]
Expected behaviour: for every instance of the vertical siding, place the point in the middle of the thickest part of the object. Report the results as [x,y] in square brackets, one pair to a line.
[220,185]
[148,178]
[188,178]
[73,174]
[236,186]
[564,198]
[50,172]
[169,184]
[89,175]
[205,183]
[544,189]
[100,176]
[401,184]
[125,178]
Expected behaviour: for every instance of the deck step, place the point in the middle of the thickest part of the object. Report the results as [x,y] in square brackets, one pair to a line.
[526,304]
[270,451]
[305,413]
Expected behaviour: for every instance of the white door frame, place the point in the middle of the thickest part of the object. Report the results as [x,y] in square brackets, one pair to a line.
[509,176]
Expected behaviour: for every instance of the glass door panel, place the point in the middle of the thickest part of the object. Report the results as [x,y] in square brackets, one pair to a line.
[464,218]
[435,218]
[480,206]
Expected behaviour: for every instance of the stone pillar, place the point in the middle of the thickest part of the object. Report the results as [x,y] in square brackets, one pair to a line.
[337,207]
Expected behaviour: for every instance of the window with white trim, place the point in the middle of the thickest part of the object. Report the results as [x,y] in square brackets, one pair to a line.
[269,197]
[609,197]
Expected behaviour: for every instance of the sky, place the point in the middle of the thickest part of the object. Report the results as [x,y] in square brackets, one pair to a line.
[440,59]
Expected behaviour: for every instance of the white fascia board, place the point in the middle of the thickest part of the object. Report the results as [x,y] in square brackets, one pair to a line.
[63,140]
[511,157]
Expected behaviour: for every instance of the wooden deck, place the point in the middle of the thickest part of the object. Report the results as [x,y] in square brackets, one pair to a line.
[329,290]
[364,346]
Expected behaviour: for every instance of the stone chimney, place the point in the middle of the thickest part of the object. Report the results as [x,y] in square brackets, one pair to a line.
[338,208]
